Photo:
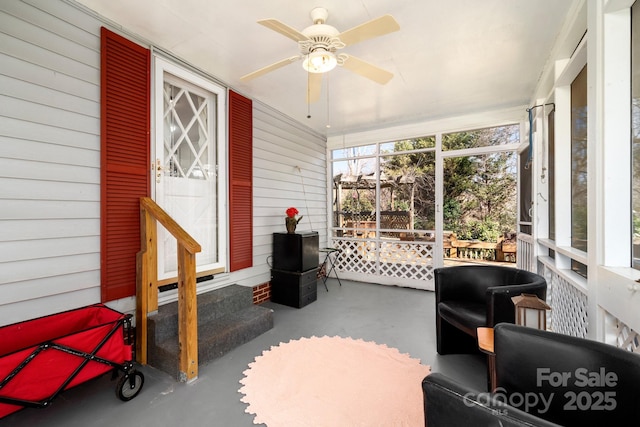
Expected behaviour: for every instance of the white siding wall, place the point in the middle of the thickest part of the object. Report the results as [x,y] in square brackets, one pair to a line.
[280,147]
[50,158]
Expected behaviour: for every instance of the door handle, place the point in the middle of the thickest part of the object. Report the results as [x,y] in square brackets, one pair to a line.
[158,170]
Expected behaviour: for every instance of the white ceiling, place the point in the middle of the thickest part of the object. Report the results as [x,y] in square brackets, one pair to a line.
[450,57]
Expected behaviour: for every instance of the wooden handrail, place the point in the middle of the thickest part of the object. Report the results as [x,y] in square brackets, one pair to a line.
[147,286]
[171,226]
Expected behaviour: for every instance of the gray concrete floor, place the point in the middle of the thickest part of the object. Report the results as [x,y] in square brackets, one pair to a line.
[398,317]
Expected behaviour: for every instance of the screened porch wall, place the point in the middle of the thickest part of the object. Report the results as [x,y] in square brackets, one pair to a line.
[603,307]
[387,197]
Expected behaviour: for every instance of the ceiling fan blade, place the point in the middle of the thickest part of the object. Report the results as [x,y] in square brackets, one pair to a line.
[367,70]
[269,68]
[284,29]
[314,87]
[376,27]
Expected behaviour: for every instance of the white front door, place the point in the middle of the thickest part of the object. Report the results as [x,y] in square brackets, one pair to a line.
[187,182]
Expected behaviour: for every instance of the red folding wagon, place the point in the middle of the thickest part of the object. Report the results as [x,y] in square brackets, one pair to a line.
[41,358]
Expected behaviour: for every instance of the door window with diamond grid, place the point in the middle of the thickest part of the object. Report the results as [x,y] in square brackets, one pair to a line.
[188,179]
[187,134]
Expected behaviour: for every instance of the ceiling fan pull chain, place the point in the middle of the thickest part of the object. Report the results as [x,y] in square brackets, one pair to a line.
[328,125]
[308,92]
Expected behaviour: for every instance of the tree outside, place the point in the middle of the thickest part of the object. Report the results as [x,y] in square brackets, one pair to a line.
[482,204]
[414,173]
[480,191]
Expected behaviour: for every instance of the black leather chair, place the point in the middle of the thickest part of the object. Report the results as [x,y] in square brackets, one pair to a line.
[469,297]
[448,403]
[543,379]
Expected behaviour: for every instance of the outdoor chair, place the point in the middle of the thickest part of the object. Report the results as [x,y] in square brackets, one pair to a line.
[544,379]
[469,297]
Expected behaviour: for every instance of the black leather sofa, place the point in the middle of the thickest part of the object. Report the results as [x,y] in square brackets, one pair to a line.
[469,297]
[543,379]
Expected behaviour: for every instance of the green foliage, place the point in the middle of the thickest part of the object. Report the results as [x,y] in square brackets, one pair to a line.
[457,141]
[636,225]
[414,166]
[451,214]
[412,163]
[481,137]
[480,193]
[358,201]
[485,231]
[424,223]
[401,205]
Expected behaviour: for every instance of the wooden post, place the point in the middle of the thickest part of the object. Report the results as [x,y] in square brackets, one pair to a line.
[454,248]
[412,207]
[187,315]
[152,265]
[141,310]
[143,283]
[147,286]
[340,217]
[499,252]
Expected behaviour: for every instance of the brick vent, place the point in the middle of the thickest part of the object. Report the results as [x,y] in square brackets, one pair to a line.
[262,293]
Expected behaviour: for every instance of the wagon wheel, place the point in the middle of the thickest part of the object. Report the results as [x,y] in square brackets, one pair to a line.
[129,385]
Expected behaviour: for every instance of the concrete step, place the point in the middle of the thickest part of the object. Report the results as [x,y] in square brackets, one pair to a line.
[211,305]
[227,318]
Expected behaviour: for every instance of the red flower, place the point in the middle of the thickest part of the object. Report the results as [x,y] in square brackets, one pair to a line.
[292,212]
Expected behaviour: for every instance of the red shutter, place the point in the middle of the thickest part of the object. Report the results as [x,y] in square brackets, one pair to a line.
[124,149]
[240,181]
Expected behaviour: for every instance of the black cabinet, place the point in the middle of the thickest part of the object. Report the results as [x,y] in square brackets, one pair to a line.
[295,251]
[294,276]
[294,289]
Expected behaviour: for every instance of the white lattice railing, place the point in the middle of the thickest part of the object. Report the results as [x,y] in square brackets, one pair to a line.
[411,260]
[568,314]
[621,335]
[392,259]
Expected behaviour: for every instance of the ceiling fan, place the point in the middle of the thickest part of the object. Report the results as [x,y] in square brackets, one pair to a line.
[319,43]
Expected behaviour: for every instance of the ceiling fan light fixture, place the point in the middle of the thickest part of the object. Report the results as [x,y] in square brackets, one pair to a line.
[319,61]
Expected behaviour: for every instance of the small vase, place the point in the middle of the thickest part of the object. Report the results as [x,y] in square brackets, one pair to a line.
[291,225]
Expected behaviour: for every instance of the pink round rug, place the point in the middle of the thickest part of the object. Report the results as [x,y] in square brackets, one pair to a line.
[334,381]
